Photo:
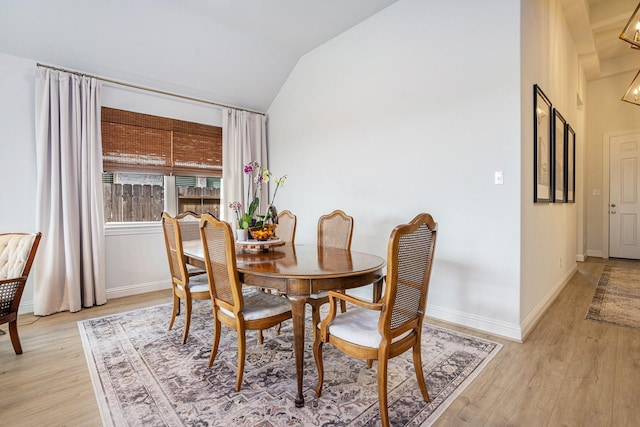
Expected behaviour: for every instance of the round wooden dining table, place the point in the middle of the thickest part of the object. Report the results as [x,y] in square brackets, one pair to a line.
[299,271]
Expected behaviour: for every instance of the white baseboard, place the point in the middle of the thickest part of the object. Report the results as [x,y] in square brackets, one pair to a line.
[25,307]
[511,331]
[581,257]
[140,288]
[491,326]
[594,253]
[117,292]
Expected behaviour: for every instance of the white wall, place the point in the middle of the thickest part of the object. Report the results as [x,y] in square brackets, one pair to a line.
[608,116]
[18,159]
[410,112]
[551,241]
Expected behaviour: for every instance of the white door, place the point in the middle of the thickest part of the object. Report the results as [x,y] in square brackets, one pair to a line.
[624,196]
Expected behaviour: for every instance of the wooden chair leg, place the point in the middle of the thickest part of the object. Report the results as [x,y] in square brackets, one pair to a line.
[317,354]
[15,339]
[242,349]
[175,311]
[315,318]
[260,337]
[382,390]
[187,319]
[217,328]
[417,365]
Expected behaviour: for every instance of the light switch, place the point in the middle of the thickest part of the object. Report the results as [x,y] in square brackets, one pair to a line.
[499,180]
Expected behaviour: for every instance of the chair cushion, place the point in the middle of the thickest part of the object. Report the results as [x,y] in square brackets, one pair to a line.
[14,252]
[199,283]
[318,295]
[359,326]
[192,269]
[260,305]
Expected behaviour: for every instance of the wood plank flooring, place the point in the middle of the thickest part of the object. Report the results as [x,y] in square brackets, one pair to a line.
[569,372]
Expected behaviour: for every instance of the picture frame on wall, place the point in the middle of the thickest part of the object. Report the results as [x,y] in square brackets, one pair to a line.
[542,134]
[559,160]
[570,196]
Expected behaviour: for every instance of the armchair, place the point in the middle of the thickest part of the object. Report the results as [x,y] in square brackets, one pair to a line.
[17,252]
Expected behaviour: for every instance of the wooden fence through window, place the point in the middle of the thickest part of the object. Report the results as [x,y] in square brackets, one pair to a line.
[133,202]
[145,202]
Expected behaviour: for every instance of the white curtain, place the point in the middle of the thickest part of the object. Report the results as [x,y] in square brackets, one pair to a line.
[244,139]
[70,266]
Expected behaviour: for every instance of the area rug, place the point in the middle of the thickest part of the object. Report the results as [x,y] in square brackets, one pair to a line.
[143,375]
[617,297]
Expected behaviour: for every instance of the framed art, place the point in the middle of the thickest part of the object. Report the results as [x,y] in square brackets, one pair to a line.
[570,169]
[541,146]
[559,157]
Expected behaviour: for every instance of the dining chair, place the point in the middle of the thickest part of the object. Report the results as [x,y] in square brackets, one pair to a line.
[250,309]
[190,230]
[385,329]
[185,287]
[286,230]
[335,230]
[17,252]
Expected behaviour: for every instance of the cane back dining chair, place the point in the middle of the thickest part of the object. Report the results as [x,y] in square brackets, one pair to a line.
[190,230]
[385,329]
[286,230]
[17,252]
[335,230]
[185,287]
[241,310]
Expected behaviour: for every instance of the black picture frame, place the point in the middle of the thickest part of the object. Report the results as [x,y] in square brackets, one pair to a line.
[542,149]
[559,160]
[570,175]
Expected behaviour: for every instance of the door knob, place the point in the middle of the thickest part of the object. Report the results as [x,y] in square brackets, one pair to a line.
[613,212]
[613,205]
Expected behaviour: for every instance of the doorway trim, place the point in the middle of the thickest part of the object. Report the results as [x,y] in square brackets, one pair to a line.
[606,145]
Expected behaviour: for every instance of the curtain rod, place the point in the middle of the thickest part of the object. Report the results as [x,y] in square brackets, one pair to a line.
[147,89]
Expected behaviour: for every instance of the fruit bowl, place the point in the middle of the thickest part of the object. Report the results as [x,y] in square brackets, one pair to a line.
[263,232]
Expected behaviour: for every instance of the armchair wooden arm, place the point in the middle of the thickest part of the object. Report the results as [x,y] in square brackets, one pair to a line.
[334,296]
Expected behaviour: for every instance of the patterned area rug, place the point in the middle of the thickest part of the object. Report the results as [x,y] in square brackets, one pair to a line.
[142,375]
[617,297]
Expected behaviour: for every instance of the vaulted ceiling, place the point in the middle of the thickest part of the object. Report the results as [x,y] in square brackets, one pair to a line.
[238,52]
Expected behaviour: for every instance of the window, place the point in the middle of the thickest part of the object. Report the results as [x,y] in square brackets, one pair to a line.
[198,194]
[132,197]
[142,153]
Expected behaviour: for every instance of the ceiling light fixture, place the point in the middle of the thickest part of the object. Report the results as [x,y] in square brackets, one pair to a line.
[632,94]
[631,32]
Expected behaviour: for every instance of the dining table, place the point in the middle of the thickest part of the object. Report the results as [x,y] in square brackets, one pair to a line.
[298,271]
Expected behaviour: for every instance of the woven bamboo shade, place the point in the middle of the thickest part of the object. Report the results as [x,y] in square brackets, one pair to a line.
[138,142]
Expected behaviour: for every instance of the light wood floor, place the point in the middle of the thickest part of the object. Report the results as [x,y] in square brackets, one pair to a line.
[569,372]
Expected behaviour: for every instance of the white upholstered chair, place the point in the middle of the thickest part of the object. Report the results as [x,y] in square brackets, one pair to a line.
[17,252]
